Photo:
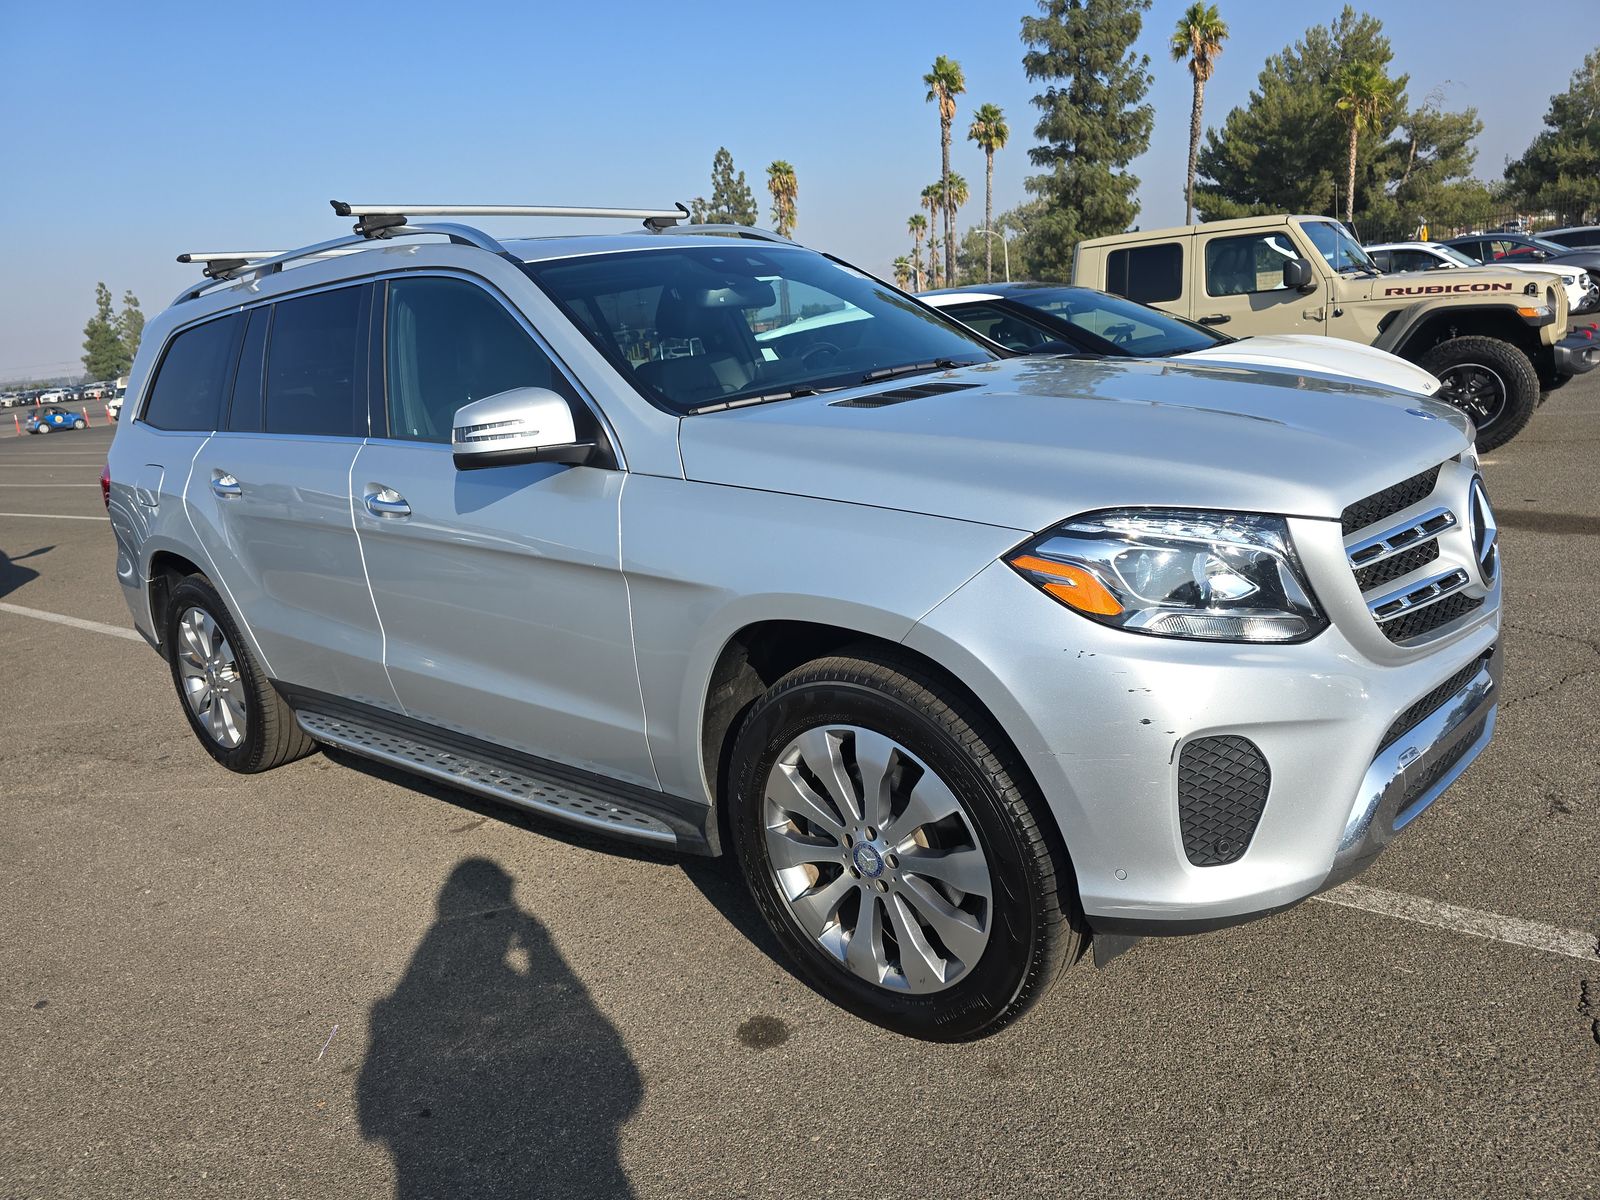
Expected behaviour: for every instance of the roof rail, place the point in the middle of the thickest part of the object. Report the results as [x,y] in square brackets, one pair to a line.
[748,232]
[375,220]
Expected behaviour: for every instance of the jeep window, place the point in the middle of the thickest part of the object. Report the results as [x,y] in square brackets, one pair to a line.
[696,326]
[449,343]
[1242,266]
[1342,252]
[1146,274]
[1112,325]
[312,364]
[188,389]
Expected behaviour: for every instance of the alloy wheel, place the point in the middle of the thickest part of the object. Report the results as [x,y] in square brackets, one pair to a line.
[209,671]
[1476,390]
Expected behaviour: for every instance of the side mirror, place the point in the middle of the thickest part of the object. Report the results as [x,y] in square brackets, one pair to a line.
[522,425]
[1297,275]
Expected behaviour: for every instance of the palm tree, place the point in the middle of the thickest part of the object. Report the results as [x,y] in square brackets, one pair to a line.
[785,189]
[932,196]
[990,131]
[917,225]
[945,82]
[1198,37]
[1363,92]
[949,197]
[902,272]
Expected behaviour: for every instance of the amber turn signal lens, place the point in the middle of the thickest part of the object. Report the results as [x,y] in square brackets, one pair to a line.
[1070,584]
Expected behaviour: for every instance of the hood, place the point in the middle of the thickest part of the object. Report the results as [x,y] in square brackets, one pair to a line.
[1031,441]
[1326,356]
[1458,281]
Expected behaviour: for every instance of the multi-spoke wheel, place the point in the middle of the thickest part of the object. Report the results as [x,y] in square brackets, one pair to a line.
[1492,381]
[239,718]
[897,850]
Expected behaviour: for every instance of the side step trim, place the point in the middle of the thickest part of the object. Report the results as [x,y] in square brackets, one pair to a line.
[563,793]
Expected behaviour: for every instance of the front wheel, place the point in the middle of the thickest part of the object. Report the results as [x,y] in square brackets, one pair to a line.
[80,423]
[1492,381]
[897,851]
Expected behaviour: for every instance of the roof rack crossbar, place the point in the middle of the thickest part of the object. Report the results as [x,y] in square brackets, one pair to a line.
[377,218]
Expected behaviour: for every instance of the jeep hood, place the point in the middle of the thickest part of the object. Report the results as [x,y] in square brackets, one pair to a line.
[1321,355]
[1027,442]
[1481,282]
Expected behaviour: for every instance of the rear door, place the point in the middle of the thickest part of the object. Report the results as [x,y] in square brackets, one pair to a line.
[1240,289]
[270,494]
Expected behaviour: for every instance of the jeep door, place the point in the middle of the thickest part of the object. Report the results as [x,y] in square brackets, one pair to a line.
[270,494]
[1239,286]
[504,607]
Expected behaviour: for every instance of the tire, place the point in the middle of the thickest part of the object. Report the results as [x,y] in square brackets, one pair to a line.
[269,736]
[1492,381]
[853,711]
[41,429]
[80,423]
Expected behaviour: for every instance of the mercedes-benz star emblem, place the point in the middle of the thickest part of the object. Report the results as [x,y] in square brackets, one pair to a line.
[1485,533]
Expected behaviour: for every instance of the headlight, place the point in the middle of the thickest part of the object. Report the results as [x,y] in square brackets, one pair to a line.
[1211,576]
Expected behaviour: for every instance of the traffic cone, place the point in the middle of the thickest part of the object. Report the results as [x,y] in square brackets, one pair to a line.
[85,413]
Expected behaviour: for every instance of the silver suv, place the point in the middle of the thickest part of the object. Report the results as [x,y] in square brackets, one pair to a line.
[717,543]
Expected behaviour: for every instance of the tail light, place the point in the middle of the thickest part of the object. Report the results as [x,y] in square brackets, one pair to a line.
[105,485]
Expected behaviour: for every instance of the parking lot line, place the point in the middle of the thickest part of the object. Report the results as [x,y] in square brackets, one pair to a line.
[45,485]
[1534,935]
[40,614]
[51,516]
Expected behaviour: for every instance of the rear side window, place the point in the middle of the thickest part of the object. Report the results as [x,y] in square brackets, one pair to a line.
[313,361]
[449,343]
[193,377]
[1148,274]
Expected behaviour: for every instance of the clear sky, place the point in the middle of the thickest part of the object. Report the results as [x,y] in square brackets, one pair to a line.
[136,131]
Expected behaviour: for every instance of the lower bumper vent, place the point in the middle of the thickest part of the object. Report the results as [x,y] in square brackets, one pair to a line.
[1222,789]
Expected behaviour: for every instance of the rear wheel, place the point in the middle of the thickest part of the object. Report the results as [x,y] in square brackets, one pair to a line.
[1492,381]
[896,850]
[41,428]
[235,712]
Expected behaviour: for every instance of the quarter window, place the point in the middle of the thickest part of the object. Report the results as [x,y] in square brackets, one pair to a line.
[450,343]
[1242,266]
[312,365]
[1148,274]
[188,389]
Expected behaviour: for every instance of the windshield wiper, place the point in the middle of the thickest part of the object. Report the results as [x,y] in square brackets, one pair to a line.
[938,364]
[764,398]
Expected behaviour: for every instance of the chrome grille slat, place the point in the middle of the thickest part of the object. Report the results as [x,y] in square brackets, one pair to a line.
[1400,538]
[1417,595]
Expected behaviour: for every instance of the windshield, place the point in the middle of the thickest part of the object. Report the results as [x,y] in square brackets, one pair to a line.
[1334,243]
[702,326]
[1455,256]
[1553,247]
[1113,325]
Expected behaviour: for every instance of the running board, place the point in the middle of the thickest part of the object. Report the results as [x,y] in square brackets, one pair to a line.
[554,790]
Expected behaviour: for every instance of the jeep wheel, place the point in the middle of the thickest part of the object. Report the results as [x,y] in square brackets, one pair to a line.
[1490,380]
[239,718]
[898,855]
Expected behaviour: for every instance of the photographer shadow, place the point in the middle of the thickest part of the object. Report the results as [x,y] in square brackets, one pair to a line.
[489,1070]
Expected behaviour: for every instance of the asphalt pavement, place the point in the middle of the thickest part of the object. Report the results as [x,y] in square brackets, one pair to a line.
[331,981]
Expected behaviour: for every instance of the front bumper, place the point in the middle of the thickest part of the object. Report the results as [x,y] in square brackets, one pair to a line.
[1577,353]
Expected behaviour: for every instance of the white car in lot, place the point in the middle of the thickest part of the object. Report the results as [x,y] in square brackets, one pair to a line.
[1044,318]
[1395,258]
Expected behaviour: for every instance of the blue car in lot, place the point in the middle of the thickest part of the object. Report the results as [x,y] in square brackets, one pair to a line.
[44,420]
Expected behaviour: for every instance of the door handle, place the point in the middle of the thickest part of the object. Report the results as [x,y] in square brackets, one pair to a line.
[1215,319]
[225,485]
[385,502]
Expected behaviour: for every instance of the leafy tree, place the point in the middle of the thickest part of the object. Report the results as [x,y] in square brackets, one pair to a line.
[1561,168]
[130,326]
[990,131]
[1198,38]
[946,82]
[731,203]
[916,225]
[1277,152]
[1425,171]
[1093,122]
[785,191]
[1365,95]
[104,354]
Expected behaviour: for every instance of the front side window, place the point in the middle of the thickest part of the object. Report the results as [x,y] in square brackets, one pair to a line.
[693,327]
[1242,266]
[313,362]
[1146,274]
[194,373]
[449,343]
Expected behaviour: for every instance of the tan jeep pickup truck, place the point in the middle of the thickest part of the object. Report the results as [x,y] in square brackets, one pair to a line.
[1494,337]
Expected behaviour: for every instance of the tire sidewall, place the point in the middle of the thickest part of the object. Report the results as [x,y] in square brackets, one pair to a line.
[963,1010]
[197,592]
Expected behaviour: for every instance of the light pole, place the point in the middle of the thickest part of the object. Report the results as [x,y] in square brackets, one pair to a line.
[1005,248]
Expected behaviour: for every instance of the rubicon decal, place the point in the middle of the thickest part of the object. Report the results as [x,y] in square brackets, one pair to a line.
[1444,289]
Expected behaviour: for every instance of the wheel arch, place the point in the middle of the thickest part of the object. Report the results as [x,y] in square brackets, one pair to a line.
[1412,336]
[165,570]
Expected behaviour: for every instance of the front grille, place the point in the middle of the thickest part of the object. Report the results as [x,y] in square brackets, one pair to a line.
[1424,708]
[1389,501]
[1436,770]
[1431,617]
[1222,788]
[1403,563]
[917,391]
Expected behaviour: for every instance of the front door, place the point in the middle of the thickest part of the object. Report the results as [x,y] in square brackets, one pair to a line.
[504,608]
[1241,289]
